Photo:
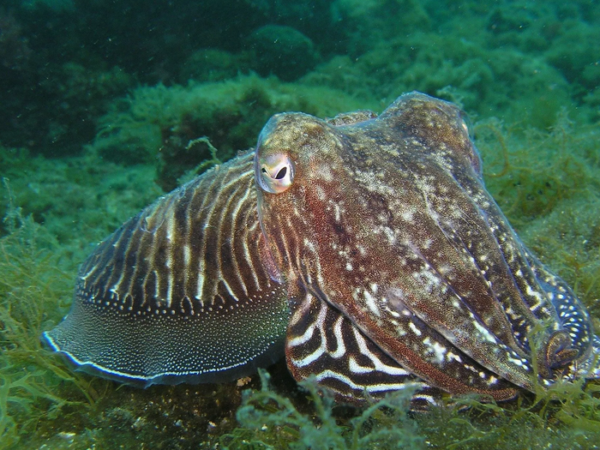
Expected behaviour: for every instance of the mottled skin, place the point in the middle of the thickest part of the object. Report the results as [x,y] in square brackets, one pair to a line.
[388,222]
[365,246]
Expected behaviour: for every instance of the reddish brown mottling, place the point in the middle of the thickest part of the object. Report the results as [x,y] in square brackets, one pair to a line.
[387,223]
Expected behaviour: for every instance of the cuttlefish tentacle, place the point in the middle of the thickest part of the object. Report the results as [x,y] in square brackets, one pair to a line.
[572,315]
[493,250]
[572,344]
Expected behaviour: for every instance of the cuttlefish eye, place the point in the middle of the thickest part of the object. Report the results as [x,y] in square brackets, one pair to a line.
[275,173]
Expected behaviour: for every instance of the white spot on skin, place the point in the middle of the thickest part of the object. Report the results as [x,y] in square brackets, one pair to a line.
[445,269]
[408,215]
[414,329]
[518,362]
[320,193]
[452,356]
[484,332]
[324,173]
[428,278]
[440,351]
[389,233]
[534,294]
[338,214]
[436,348]
[372,304]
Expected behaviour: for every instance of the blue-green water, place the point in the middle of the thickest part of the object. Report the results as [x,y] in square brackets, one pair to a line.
[99,100]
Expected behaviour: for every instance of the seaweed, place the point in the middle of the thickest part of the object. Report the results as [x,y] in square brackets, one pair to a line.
[488,425]
[34,383]
[154,125]
[540,170]
[271,421]
[566,416]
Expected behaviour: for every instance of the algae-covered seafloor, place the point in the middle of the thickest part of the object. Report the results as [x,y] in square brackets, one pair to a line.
[103,107]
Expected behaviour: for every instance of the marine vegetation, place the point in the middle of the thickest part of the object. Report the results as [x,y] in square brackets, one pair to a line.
[269,420]
[91,132]
[155,124]
[36,274]
[34,386]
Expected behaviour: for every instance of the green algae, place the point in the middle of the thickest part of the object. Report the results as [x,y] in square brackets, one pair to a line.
[529,171]
[156,124]
[35,385]
[78,200]
[269,421]
[41,399]
[565,416]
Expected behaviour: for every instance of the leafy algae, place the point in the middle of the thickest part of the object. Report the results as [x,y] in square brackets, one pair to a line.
[34,385]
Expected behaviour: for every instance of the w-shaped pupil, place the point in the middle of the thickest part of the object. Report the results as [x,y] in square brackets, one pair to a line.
[281,173]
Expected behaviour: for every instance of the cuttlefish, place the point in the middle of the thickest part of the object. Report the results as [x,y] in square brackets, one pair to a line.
[364,248]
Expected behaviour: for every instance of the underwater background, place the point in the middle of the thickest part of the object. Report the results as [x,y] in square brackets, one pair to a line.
[102,103]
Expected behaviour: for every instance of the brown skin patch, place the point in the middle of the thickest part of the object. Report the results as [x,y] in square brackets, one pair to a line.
[395,206]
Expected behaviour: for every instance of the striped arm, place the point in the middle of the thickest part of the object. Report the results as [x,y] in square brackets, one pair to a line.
[323,343]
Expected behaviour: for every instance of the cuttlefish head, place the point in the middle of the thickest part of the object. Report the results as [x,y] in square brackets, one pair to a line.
[301,176]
